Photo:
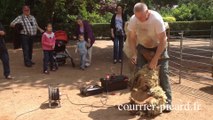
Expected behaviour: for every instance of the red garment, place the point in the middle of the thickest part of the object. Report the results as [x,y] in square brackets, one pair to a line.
[48,41]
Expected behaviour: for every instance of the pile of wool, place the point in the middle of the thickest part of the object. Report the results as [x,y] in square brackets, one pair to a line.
[146,92]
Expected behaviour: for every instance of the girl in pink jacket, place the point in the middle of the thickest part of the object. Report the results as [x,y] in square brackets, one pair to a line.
[48,45]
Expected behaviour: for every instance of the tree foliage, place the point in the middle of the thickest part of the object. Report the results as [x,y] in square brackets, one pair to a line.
[100,11]
[190,10]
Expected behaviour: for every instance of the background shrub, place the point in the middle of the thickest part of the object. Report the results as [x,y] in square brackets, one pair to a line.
[169,19]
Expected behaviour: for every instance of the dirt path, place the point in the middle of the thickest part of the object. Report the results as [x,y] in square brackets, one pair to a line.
[29,91]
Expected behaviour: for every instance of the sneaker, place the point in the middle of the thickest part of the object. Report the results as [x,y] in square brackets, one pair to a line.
[82,68]
[9,77]
[46,72]
[115,61]
[28,65]
[87,64]
[168,108]
[120,61]
[53,69]
[33,63]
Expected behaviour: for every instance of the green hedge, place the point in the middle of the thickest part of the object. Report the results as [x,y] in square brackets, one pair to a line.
[192,28]
[169,19]
[103,30]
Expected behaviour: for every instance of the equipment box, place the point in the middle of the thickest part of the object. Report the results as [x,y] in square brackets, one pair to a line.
[113,82]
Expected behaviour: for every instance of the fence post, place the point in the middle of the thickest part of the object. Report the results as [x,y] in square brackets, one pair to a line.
[211,45]
[168,39]
[181,55]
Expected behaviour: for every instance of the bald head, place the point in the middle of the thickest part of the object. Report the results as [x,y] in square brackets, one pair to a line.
[140,7]
[141,11]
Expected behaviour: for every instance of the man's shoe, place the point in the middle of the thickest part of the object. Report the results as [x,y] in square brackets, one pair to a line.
[82,68]
[28,65]
[120,61]
[115,61]
[33,63]
[9,77]
[168,108]
[46,72]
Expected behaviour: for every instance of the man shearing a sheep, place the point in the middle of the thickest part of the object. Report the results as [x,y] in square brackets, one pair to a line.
[147,34]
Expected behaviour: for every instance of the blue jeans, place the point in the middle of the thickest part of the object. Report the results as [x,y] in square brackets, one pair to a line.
[5,61]
[27,47]
[118,47]
[83,59]
[48,59]
[163,73]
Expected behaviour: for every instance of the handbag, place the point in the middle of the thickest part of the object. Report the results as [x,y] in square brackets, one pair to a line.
[119,32]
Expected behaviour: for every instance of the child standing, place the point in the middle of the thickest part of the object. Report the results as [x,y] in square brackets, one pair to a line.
[48,45]
[82,50]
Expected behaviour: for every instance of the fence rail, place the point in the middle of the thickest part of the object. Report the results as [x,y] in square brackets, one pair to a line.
[184,56]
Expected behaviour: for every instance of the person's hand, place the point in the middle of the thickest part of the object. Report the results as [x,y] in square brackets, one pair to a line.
[74,37]
[113,35]
[89,41]
[2,33]
[76,50]
[42,31]
[134,59]
[53,47]
[12,25]
[153,64]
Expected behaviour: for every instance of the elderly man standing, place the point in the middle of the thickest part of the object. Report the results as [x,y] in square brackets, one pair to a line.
[28,33]
[148,33]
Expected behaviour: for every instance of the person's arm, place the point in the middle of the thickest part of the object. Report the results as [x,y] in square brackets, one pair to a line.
[2,33]
[112,23]
[88,44]
[40,29]
[88,28]
[54,41]
[162,38]
[161,47]
[76,49]
[14,22]
[132,46]
[132,39]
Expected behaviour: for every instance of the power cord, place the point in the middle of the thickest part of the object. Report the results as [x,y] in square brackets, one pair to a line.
[22,114]
[103,102]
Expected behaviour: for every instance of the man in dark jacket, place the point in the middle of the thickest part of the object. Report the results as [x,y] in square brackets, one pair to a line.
[4,54]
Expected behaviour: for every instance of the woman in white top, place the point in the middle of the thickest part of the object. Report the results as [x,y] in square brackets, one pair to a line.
[117,32]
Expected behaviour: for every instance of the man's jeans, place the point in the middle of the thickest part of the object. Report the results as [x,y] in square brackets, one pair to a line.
[118,47]
[163,73]
[27,47]
[48,59]
[5,60]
